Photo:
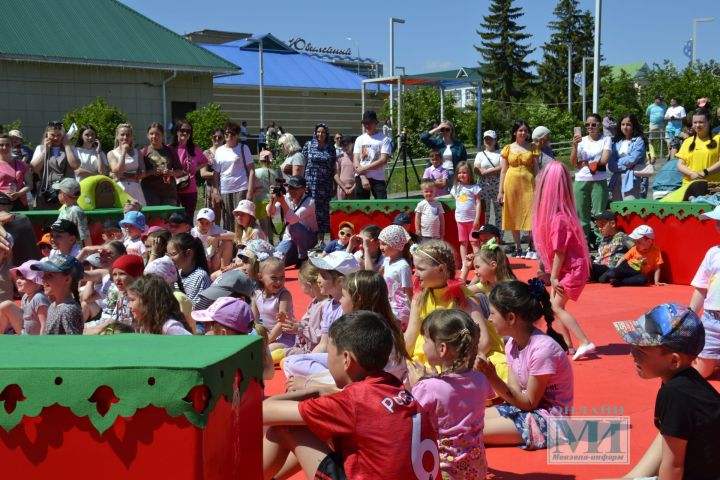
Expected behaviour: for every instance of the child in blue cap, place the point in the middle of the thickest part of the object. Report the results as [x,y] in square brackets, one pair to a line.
[665,342]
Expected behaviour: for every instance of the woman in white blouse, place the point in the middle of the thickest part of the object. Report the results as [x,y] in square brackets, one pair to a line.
[89,152]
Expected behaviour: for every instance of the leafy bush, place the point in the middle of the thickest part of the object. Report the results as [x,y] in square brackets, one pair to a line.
[204,121]
[105,118]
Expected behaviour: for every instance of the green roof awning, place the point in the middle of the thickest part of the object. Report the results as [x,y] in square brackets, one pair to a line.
[98,32]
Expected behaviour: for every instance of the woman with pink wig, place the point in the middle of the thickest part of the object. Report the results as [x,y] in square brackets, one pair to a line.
[561,246]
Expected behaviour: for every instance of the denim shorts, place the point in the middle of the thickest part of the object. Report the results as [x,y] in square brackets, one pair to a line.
[531,425]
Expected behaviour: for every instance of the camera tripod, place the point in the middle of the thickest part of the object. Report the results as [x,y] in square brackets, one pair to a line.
[403,154]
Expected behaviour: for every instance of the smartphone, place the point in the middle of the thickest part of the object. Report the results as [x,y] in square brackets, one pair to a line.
[577,131]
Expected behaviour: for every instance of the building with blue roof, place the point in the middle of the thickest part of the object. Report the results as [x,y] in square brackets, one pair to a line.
[299,90]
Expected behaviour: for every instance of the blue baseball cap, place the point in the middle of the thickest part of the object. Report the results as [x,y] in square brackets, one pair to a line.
[134,218]
[670,324]
[61,263]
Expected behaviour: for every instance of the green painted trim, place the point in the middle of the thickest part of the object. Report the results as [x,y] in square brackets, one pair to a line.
[142,370]
[103,213]
[383,206]
[645,208]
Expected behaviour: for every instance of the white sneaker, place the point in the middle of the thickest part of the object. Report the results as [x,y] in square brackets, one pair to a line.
[535,256]
[583,350]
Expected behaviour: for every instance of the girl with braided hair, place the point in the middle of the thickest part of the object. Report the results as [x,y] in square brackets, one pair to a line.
[540,379]
[455,399]
[435,269]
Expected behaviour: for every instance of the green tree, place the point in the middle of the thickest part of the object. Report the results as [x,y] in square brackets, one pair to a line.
[620,95]
[571,26]
[204,121]
[506,72]
[687,85]
[103,117]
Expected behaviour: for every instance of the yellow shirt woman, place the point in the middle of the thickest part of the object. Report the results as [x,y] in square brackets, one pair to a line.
[701,157]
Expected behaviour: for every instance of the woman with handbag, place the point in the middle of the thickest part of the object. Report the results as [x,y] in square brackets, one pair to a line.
[234,163]
[53,160]
[191,158]
[15,178]
[627,160]
[162,167]
[488,166]
[127,167]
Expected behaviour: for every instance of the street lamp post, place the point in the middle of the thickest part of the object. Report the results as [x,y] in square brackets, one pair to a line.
[596,56]
[357,47]
[694,37]
[393,21]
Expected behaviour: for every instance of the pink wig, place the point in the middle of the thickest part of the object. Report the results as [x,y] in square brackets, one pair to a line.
[554,198]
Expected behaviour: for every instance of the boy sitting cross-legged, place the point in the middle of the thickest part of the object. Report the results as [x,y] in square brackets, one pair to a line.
[375,426]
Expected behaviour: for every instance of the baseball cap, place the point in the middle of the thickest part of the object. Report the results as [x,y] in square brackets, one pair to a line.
[369,117]
[342,262]
[606,215]
[346,224]
[135,219]
[179,217]
[540,132]
[27,272]
[229,283]
[670,324]
[229,312]
[68,186]
[296,182]
[490,133]
[16,134]
[658,97]
[150,230]
[95,260]
[714,215]
[65,226]
[45,240]
[207,214]
[111,224]
[642,231]
[61,263]
[164,268]
[491,229]
[402,218]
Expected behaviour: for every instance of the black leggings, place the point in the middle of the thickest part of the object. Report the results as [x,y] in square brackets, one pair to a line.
[624,276]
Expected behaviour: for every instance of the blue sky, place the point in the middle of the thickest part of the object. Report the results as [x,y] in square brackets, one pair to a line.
[441,35]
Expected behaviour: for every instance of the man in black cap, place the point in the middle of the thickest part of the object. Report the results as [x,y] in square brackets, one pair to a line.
[299,220]
[370,155]
[612,247]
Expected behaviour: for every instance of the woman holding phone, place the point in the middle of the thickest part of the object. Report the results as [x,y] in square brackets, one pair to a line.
[89,152]
[590,155]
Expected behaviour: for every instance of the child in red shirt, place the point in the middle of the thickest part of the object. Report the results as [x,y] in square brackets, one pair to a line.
[376,427]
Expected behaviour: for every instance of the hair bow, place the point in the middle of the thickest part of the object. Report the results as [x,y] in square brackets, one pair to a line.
[491,245]
[537,289]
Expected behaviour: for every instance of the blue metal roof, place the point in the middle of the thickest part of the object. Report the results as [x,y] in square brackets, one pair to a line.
[282,69]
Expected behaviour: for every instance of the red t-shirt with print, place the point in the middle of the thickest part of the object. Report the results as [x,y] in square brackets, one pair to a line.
[378,429]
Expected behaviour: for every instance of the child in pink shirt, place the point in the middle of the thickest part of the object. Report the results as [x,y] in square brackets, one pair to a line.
[454,400]
[561,246]
[540,381]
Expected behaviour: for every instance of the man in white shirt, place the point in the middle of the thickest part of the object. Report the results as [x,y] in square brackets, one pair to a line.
[300,221]
[675,116]
[370,155]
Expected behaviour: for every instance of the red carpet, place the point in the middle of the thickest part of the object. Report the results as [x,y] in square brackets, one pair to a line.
[606,380]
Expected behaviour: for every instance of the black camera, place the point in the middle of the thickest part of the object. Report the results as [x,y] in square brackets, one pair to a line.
[279,190]
[50,196]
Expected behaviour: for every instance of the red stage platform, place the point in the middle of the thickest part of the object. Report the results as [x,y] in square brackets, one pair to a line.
[131,406]
[679,233]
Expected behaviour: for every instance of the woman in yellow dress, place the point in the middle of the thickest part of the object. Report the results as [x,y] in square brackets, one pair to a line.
[699,155]
[517,182]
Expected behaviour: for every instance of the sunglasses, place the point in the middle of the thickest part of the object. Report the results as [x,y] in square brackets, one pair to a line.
[55,124]
[591,125]
[444,130]
[230,134]
[185,130]
[343,233]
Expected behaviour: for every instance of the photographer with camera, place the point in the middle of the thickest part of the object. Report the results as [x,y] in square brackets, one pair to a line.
[53,160]
[299,220]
